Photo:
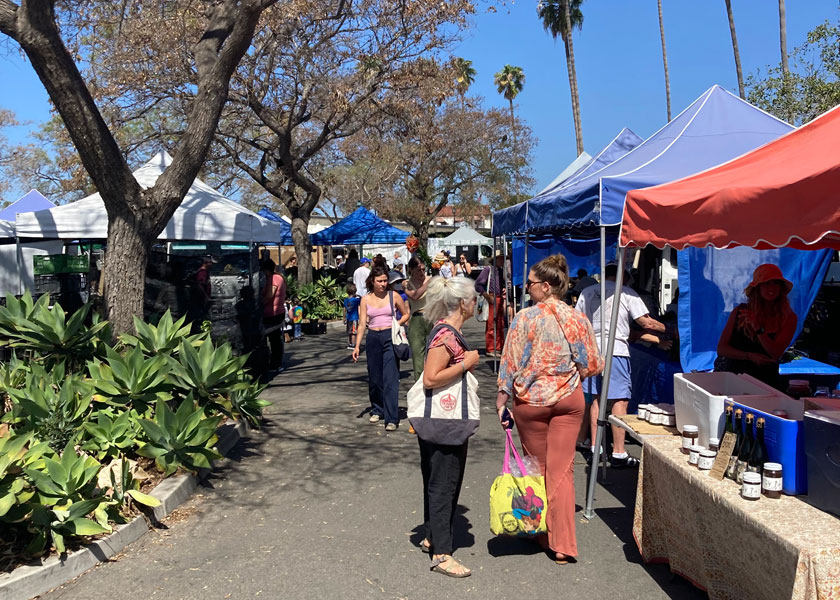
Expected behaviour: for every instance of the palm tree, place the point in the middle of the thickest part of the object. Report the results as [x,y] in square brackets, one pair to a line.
[464,76]
[509,82]
[783,38]
[665,60]
[738,71]
[559,18]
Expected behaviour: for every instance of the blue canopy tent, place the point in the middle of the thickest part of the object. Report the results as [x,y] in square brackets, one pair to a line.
[513,220]
[286,229]
[359,227]
[29,202]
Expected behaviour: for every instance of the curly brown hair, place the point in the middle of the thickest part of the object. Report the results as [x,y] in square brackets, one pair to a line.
[554,270]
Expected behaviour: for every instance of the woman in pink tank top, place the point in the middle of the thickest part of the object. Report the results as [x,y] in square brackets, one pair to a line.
[383,370]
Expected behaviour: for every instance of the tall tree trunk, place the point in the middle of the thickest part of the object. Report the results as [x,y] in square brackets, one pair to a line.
[665,61]
[513,132]
[129,243]
[783,38]
[570,67]
[303,245]
[735,51]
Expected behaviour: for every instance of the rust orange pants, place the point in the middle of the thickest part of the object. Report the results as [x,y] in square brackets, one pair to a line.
[549,433]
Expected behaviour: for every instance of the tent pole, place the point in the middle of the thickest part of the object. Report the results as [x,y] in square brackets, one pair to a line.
[508,287]
[19,260]
[490,278]
[605,385]
[603,284]
[524,271]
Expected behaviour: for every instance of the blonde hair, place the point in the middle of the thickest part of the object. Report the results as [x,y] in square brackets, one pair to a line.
[444,296]
[554,270]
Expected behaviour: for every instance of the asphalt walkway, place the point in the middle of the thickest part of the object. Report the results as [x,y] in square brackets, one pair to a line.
[322,504]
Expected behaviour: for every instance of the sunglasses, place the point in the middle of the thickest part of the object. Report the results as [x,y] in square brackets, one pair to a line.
[529,283]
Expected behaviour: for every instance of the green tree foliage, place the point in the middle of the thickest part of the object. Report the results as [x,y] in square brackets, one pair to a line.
[813,84]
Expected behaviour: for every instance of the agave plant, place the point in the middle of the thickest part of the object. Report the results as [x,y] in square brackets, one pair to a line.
[12,377]
[246,403]
[17,453]
[208,374]
[163,338]
[109,436]
[71,478]
[57,523]
[126,489]
[131,380]
[50,405]
[183,438]
[46,333]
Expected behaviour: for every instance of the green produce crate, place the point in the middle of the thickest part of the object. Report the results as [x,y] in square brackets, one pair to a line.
[52,264]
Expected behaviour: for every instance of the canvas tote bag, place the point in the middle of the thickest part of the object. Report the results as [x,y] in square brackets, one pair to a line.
[399,339]
[447,415]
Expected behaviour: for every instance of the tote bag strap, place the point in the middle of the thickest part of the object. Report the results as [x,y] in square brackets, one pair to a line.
[391,300]
[509,445]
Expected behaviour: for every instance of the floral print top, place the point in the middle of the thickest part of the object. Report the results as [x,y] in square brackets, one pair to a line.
[447,339]
[542,363]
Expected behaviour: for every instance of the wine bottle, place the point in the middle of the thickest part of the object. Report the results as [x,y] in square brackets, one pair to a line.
[745,449]
[758,455]
[728,425]
[739,433]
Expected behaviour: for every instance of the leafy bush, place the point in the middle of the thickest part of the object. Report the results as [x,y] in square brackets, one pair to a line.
[246,403]
[322,299]
[109,437]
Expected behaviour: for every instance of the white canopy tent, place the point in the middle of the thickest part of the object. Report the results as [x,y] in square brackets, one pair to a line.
[463,236]
[204,215]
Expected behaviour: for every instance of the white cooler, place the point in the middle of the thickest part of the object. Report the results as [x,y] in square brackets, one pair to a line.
[699,399]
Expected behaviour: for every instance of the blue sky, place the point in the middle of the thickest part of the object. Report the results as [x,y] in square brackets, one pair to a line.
[618,57]
[619,63]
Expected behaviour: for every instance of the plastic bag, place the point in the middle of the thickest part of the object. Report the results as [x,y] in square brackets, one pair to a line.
[518,504]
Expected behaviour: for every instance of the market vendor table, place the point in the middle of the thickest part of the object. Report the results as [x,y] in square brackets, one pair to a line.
[639,430]
[731,547]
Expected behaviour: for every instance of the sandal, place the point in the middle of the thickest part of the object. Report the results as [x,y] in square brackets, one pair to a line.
[563,559]
[450,570]
[425,547]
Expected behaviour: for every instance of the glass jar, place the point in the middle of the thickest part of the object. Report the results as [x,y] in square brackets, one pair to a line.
[690,433]
[655,415]
[751,486]
[798,388]
[714,444]
[694,454]
[771,480]
[706,460]
[643,408]
[670,416]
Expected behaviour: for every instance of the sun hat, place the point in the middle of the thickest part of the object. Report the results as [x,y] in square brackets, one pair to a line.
[763,274]
[440,257]
[395,276]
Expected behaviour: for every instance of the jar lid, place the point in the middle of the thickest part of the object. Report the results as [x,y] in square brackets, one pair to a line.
[690,429]
[751,477]
[654,409]
[697,448]
[772,467]
[799,383]
[708,453]
[669,410]
[714,442]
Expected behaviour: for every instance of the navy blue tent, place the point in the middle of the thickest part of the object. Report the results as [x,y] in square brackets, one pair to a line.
[30,202]
[715,128]
[286,234]
[512,220]
[359,227]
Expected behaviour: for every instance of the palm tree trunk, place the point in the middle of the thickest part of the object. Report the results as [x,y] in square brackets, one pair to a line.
[738,71]
[570,67]
[515,157]
[783,37]
[665,60]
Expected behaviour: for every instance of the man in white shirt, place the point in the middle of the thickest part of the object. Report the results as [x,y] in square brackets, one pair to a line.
[632,308]
[360,276]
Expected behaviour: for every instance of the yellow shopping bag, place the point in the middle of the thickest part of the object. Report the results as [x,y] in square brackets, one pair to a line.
[517,504]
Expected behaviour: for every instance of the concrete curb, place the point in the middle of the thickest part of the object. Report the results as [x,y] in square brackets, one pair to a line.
[31,580]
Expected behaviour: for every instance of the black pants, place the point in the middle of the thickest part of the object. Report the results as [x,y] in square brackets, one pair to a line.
[383,376]
[443,473]
[276,339]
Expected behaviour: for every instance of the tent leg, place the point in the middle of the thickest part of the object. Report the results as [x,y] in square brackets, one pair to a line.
[490,279]
[603,284]
[524,271]
[588,512]
[19,260]
[508,285]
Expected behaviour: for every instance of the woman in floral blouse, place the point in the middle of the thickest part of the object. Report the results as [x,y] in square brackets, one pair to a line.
[549,349]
